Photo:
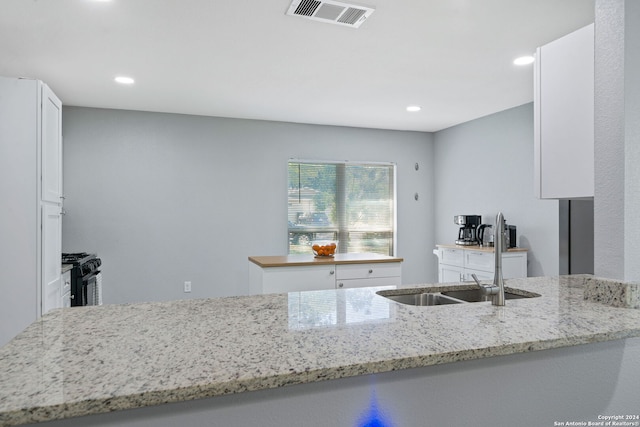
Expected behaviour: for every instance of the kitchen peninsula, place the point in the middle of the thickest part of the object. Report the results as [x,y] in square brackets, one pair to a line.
[450,364]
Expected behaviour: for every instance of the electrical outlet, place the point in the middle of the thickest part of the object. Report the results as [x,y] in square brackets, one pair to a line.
[187,286]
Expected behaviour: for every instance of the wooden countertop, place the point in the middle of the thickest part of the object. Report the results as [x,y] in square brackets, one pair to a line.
[480,248]
[303,259]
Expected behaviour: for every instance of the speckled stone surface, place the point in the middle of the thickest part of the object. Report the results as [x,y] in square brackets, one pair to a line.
[90,360]
[616,294]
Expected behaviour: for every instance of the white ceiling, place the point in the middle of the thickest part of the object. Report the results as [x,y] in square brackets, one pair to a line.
[247,59]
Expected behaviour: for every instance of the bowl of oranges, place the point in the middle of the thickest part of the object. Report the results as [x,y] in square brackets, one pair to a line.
[324,249]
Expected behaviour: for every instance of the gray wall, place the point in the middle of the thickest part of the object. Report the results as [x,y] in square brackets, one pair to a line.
[632,139]
[485,166]
[617,139]
[165,198]
[609,140]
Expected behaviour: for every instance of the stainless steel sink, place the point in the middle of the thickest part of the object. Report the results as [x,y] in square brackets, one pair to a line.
[459,296]
[475,295]
[423,299]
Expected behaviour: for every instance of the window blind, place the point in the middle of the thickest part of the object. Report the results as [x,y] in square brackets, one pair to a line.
[350,203]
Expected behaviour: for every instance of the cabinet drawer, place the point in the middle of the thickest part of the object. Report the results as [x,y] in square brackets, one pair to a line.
[480,260]
[66,300]
[363,283]
[66,282]
[481,275]
[452,257]
[295,279]
[368,271]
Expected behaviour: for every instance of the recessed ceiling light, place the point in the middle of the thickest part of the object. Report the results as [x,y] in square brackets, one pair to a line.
[524,60]
[124,80]
[414,108]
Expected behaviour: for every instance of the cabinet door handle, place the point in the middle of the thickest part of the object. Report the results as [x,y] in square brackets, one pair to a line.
[340,285]
[332,272]
[370,271]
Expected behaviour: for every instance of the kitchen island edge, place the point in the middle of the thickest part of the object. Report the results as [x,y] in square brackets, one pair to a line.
[563,304]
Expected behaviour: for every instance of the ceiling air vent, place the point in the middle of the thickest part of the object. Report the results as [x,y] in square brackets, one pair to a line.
[331,12]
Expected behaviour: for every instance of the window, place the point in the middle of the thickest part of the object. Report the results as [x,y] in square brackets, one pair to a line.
[350,203]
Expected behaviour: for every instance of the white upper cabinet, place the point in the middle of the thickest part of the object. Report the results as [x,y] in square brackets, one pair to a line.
[51,146]
[564,117]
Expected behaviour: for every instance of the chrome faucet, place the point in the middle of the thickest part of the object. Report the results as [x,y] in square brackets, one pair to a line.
[496,290]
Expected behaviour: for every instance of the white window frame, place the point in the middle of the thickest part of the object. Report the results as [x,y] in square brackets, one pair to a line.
[364,163]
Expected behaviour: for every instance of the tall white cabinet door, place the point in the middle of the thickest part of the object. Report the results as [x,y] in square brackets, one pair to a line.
[51,128]
[51,255]
[30,190]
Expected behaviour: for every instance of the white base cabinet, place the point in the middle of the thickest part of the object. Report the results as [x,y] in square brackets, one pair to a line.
[51,257]
[289,279]
[66,289]
[296,278]
[458,264]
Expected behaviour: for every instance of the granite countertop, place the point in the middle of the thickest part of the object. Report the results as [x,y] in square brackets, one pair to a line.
[88,360]
[302,259]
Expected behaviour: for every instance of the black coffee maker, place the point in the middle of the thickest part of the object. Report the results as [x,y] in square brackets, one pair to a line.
[467,236]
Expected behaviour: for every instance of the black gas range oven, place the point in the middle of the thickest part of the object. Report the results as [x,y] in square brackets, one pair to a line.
[86,279]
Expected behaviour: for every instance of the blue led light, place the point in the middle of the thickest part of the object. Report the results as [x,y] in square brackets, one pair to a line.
[373,417]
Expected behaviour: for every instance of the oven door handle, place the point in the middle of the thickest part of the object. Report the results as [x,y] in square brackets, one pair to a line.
[90,275]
